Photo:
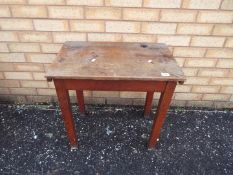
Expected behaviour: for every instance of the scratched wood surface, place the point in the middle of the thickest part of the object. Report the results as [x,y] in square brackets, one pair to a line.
[114,61]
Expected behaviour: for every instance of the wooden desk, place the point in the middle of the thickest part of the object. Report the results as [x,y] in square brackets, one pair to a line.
[115,67]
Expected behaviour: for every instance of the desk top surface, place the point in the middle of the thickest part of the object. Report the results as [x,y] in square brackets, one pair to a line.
[115,61]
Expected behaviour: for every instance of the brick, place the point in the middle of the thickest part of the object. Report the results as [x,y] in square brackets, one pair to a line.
[212,72]
[197,80]
[220,53]
[207,41]
[1,76]
[29,67]
[50,48]
[190,71]
[6,67]
[217,97]
[38,75]
[124,3]
[66,12]
[35,37]
[85,2]
[24,47]
[138,38]
[222,81]
[180,61]
[230,74]
[94,100]
[141,102]
[201,4]
[105,94]
[18,75]
[16,24]
[104,37]
[3,47]
[188,52]
[47,2]
[225,63]
[23,91]
[200,62]
[4,11]
[223,29]
[200,103]
[51,25]
[41,58]
[178,15]
[40,99]
[51,85]
[103,13]
[178,103]
[158,28]
[9,83]
[4,91]
[188,96]
[183,88]
[127,94]
[227,89]
[18,99]
[162,3]
[205,89]
[13,1]
[73,92]
[215,17]
[118,101]
[29,11]
[195,29]
[87,26]
[174,40]
[227,5]
[12,57]
[223,104]
[45,91]
[140,14]
[229,42]
[61,37]
[156,97]
[8,36]
[33,84]
[122,27]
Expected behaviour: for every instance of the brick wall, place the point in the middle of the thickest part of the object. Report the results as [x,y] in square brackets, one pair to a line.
[199,33]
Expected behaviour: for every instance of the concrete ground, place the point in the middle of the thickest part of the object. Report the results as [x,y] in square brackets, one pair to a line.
[113,141]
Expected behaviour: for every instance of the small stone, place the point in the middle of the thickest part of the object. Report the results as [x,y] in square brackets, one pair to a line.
[144,136]
[93,60]
[50,135]
[149,61]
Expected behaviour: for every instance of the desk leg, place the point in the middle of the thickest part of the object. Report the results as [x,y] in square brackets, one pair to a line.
[163,106]
[80,99]
[64,101]
[148,104]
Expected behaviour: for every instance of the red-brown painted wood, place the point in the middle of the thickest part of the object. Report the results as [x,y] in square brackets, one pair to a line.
[163,106]
[115,85]
[64,101]
[80,100]
[148,104]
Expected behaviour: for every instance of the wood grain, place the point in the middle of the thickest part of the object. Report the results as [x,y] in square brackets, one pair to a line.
[115,61]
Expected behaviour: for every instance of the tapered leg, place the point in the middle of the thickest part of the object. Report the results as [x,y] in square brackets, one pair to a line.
[64,101]
[148,104]
[163,106]
[80,99]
